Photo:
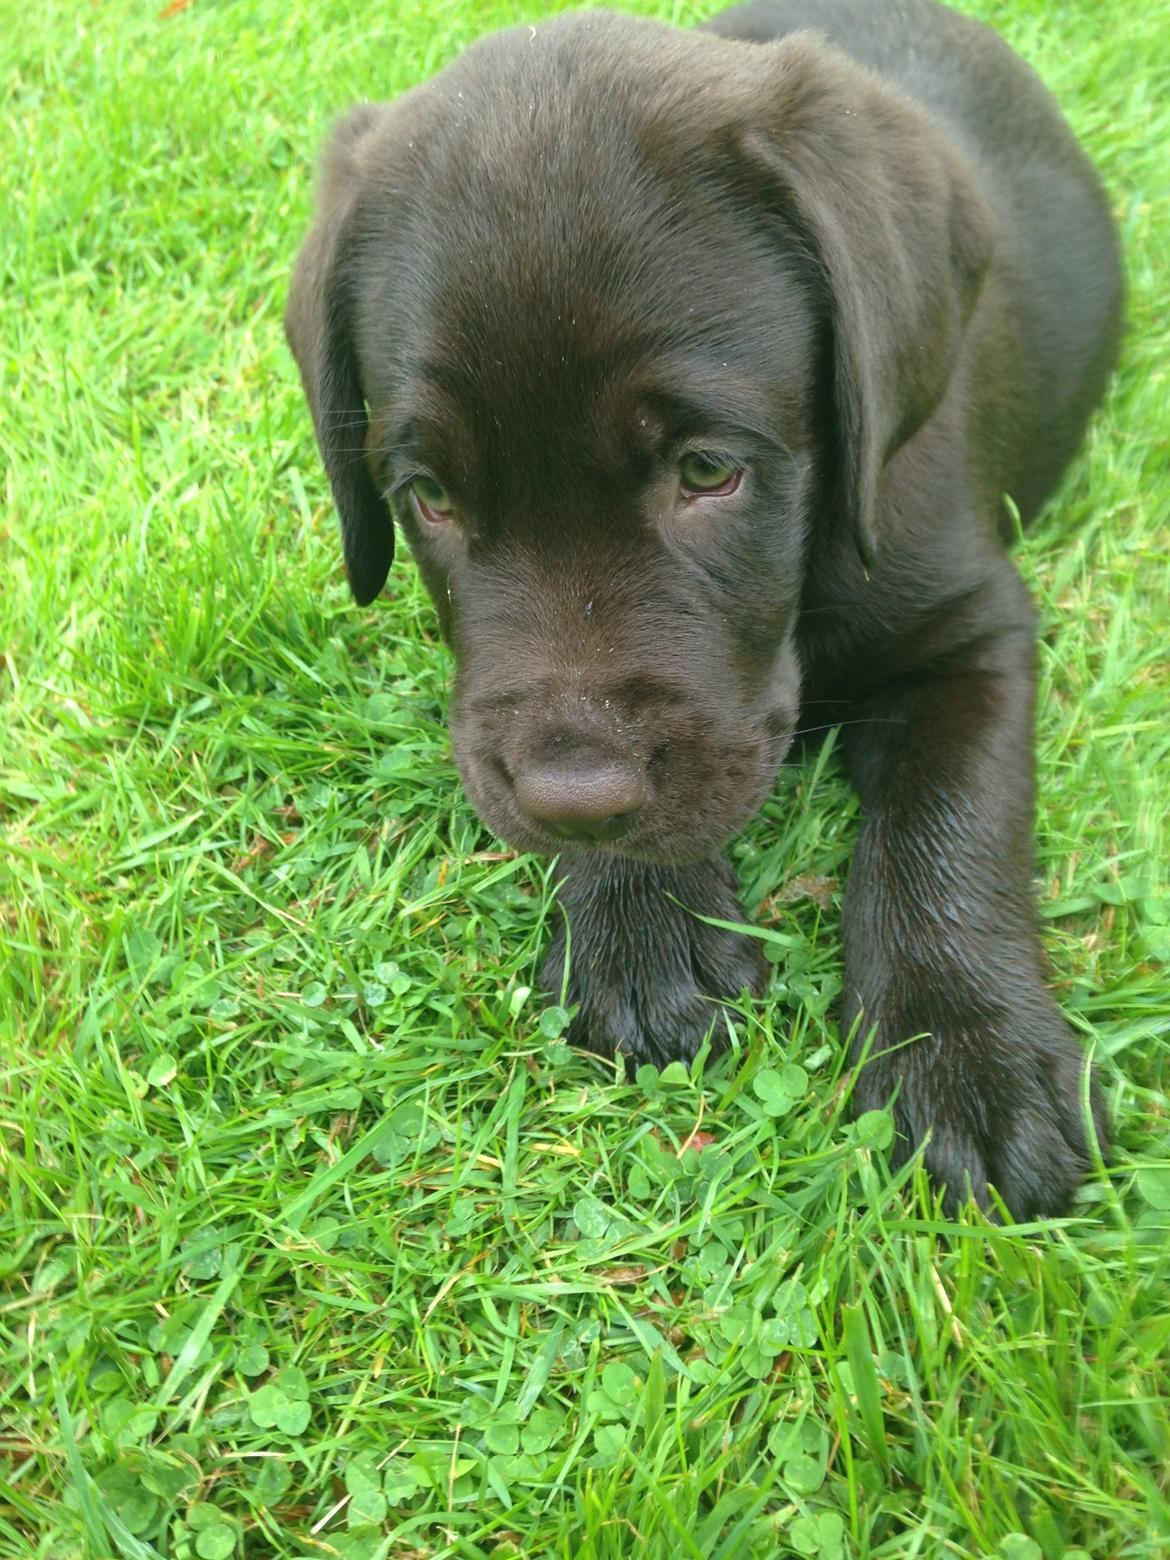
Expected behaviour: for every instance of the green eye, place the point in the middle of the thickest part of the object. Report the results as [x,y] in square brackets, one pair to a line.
[433,498]
[702,472]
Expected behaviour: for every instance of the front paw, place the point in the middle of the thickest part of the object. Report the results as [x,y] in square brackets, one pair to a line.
[645,976]
[998,1103]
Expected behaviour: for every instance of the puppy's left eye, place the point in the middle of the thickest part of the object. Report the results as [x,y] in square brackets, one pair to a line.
[703,474]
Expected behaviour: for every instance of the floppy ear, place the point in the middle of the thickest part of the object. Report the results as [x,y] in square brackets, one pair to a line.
[903,235]
[318,324]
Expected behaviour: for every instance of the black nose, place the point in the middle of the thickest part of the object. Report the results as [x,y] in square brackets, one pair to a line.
[582,798]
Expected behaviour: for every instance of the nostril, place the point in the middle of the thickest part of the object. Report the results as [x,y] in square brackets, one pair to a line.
[582,800]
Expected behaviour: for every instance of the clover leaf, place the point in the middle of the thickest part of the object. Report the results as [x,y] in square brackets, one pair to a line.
[778,1090]
[271,1407]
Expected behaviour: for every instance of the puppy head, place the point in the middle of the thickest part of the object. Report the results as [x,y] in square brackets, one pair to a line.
[584,315]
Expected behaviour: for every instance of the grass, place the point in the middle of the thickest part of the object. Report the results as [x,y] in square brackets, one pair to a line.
[314,1239]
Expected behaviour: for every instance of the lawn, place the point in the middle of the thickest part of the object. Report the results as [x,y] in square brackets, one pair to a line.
[315,1239]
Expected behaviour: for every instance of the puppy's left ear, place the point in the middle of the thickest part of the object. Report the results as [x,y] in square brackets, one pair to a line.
[318,324]
[903,235]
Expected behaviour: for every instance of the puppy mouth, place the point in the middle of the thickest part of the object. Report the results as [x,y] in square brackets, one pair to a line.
[681,804]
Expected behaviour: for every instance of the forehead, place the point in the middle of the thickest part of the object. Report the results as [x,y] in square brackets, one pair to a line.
[563,261]
[544,349]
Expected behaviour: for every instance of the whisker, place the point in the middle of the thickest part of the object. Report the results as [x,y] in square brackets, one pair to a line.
[839,606]
[862,720]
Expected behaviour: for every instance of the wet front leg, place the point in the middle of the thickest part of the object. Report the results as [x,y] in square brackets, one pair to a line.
[942,952]
[645,975]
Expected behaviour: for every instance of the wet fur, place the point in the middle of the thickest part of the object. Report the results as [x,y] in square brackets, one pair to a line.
[856,242]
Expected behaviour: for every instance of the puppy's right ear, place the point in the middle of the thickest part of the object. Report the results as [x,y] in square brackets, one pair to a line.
[318,324]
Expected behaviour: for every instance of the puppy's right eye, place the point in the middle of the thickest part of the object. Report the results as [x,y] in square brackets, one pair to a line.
[434,502]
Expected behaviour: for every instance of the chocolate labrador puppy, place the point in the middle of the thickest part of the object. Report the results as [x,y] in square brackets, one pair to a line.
[701,371]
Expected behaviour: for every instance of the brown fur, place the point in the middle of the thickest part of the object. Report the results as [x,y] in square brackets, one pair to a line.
[869,268]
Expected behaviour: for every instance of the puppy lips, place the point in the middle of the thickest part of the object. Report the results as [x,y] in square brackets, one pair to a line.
[676,826]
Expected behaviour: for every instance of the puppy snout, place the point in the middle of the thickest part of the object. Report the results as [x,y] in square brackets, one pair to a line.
[583,795]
